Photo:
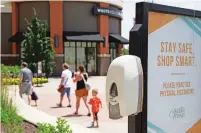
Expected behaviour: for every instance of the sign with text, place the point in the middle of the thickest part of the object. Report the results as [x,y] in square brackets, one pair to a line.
[107,11]
[174,73]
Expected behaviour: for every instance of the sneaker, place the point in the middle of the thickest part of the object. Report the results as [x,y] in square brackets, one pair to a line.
[92,126]
[69,106]
[59,105]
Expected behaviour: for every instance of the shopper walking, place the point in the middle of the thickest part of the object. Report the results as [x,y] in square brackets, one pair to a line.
[66,77]
[81,92]
[25,81]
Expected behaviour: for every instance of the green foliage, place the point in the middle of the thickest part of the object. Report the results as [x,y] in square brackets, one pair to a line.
[125,51]
[37,46]
[62,127]
[9,118]
[7,70]
[8,80]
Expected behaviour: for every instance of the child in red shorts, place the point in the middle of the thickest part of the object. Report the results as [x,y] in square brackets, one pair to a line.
[95,102]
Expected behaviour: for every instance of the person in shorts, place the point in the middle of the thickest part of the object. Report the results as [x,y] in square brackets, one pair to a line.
[25,81]
[81,92]
[95,102]
[66,78]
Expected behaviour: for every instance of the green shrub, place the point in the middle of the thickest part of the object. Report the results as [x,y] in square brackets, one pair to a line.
[9,118]
[15,81]
[40,80]
[7,70]
[62,127]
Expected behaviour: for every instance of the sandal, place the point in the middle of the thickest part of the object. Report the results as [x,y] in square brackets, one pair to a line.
[75,113]
[59,105]
[69,106]
[89,114]
[96,126]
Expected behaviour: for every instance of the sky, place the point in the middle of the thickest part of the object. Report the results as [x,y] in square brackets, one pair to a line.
[129,10]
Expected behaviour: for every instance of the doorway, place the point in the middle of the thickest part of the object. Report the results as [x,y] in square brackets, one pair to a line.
[81,53]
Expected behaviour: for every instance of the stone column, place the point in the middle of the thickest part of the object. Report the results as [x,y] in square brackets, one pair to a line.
[103,57]
[13,59]
[56,29]
[103,64]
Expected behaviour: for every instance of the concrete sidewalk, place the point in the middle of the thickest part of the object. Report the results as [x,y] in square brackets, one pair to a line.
[35,116]
[48,97]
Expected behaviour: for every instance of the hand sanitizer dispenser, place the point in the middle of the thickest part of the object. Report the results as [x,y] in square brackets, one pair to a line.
[124,86]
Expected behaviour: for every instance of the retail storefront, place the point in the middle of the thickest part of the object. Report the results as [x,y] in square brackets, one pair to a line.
[81,53]
[85,33]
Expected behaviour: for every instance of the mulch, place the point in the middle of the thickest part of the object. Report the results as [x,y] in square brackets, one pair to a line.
[3,128]
[28,127]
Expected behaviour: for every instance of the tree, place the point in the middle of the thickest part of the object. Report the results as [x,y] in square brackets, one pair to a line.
[37,46]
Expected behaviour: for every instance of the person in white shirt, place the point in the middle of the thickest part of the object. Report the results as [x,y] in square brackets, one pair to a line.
[66,78]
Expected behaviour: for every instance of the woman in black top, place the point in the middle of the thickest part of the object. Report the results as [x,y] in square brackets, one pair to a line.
[81,91]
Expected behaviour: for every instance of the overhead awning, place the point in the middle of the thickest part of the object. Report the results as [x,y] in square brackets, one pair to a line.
[18,37]
[86,38]
[115,38]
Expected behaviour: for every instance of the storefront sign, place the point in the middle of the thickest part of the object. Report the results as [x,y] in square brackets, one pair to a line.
[174,62]
[107,11]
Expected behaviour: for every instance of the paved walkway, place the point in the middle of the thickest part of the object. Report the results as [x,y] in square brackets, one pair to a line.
[37,116]
[48,97]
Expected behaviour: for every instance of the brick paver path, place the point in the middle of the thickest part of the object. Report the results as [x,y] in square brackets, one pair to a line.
[48,97]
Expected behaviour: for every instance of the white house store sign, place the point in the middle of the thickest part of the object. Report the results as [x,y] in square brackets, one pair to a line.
[107,11]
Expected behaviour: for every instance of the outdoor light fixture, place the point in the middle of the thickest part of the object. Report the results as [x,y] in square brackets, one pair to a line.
[104,44]
[56,41]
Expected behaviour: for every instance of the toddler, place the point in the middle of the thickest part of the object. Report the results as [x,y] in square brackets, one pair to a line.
[95,102]
[34,97]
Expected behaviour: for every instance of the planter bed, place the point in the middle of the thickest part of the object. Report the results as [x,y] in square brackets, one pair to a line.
[28,127]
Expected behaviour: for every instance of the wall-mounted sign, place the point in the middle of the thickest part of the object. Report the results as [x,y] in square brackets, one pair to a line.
[107,11]
[174,61]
